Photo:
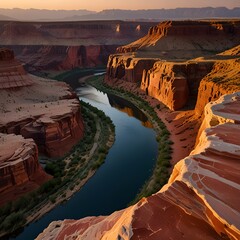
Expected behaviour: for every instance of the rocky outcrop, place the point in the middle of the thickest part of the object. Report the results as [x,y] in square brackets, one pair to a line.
[53,121]
[177,83]
[12,74]
[19,166]
[45,110]
[66,45]
[127,67]
[224,110]
[223,79]
[193,201]
[174,83]
[47,57]
[186,39]
[71,33]
[174,57]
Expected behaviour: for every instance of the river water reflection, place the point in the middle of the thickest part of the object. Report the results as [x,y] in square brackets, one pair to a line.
[128,165]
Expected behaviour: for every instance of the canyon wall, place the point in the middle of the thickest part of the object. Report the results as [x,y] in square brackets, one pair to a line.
[128,68]
[12,74]
[55,123]
[36,115]
[19,166]
[71,33]
[186,39]
[174,57]
[223,79]
[174,83]
[193,201]
[67,45]
[175,62]
[48,57]
[45,110]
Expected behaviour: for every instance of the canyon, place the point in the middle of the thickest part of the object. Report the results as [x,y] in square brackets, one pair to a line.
[37,116]
[67,45]
[191,71]
[172,59]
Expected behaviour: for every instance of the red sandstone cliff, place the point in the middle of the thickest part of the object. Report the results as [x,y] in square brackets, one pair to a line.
[200,200]
[65,45]
[54,122]
[128,68]
[45,57]
[174,83]
[191,203]
[42,109]
[223,79]
[71,33]
[45,112]
[12,74]
[19,166]
[169,61]
[186,39]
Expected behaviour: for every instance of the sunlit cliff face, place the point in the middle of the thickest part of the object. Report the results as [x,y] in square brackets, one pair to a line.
[118,28]
[138,28]
[218,26]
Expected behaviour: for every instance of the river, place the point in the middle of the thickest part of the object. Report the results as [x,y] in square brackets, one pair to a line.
[128,165]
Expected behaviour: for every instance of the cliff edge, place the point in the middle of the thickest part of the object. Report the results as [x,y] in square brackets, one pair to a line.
[191,203]
[19,166]
[179,64]
[36,115]
[42,109]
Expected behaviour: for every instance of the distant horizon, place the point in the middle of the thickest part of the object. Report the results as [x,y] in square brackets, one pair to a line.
[84,9]
[99,5]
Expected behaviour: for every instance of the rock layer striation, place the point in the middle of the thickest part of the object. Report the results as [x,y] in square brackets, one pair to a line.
[19,166]
[201,196]
[191,203]
[12,74]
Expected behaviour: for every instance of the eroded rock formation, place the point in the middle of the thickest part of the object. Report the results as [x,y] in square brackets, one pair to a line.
[223,79]
[71,33]
[12,74]
[19,166]
[45,57]
[186,39]
[66,45]
[46,111]
[171,61]
[42,109]
[174,83]
[36,115]
[193,201]
[128,68]
[200,200]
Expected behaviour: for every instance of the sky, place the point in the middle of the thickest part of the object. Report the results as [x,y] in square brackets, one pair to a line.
[98,5]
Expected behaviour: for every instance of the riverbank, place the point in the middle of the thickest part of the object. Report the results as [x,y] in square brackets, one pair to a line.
[70,173]
[183,126]
[161,170]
